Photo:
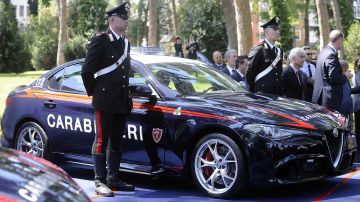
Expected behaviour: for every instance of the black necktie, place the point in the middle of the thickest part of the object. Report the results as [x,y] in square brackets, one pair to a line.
[233,71]
[274,49]
[310,73]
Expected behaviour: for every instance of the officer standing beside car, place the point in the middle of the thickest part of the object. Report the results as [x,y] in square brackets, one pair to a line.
[265,62]
[105,74]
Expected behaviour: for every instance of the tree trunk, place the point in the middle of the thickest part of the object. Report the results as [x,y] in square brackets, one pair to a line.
[230,23]
[173,9]
[152,23]
[243,26]
[306,22]
[63,37]
[336,12]
[324,26]
[255,21]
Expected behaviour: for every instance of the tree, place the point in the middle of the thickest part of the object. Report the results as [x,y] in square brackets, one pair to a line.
[14,55]
[346,14]
[63,37]
[306,22]
[174,19]
[243,26]
[352,43]
[204,19]
[153,16]
[279,7]
[230,23]
[336,13]
[255,20]
[323,18]
[137,29]
[90,17]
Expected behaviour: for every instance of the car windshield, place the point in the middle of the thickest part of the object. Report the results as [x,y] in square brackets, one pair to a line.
[189,79]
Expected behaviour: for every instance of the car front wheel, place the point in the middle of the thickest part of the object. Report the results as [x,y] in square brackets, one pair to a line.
[218,167]
[32,139]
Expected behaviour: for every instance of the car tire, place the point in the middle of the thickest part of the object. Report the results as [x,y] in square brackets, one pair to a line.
[218,166]
[31,138]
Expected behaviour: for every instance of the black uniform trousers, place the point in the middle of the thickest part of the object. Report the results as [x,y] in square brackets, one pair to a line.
[109,132]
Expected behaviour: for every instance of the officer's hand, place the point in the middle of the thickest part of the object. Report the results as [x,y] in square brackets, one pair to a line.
[348,74]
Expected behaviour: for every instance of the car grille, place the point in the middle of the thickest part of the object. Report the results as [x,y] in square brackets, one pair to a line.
[335,143]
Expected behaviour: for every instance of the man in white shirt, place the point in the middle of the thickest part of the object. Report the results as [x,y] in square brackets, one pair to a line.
[309,69]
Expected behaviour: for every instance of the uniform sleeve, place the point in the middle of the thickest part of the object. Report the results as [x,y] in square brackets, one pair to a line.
[255,58]
[335,75]
[284,82]
[91,64]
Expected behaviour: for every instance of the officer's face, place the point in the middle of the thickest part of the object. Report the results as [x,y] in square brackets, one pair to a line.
[118,24]
[272,34]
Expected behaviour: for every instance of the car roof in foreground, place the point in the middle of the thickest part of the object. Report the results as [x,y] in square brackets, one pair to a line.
[150,59]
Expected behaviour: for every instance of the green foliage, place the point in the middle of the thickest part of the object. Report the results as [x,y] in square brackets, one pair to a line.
[278,7]
[14,54]
[352,43]
[137,29]
[45,29]
[75,48]
[346,14]
[33,7]
[203,19]
[91,17]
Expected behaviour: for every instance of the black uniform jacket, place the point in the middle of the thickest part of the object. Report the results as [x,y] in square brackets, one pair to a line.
[329,80]
[110,91]
[291,86]
[260,57]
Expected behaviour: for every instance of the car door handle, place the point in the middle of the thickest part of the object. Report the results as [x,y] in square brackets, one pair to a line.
[50,104]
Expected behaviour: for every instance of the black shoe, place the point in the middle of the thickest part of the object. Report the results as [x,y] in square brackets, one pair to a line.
[117,185]
[102,189]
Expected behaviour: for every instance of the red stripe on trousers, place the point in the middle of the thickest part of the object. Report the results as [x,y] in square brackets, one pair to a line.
[99,133]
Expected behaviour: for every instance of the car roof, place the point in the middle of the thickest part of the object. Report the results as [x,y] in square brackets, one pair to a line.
[150,59]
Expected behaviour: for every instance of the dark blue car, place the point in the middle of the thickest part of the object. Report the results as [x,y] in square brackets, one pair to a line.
[192,118]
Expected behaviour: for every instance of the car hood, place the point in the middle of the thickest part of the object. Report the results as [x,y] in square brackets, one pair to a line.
[268,109]
[27,178]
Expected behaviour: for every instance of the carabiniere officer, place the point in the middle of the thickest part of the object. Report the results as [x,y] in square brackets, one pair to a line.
[265,62]
[105,74]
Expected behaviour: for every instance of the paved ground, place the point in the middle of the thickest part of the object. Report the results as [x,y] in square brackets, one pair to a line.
[342,188]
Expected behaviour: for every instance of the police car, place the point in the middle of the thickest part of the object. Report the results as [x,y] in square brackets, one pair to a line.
[187,119]
[27,178]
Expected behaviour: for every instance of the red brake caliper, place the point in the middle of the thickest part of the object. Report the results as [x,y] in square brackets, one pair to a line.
[208,157]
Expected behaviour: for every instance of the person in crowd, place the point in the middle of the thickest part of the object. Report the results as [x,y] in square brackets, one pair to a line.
[309,69]
[230,57]
[265,61]
[329,78]
[346,107]
[105,74]
[218,60]
[192,47]
[241,65]
[356,100]
[178,47]
[293,81]
[286,61]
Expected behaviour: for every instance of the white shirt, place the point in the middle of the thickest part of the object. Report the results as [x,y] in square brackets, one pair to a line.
[305,69]
[116,35]
[272,45]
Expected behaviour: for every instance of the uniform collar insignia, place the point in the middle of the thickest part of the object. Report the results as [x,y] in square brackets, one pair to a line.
[111,37]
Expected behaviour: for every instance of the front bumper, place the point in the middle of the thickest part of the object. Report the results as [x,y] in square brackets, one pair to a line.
[301,159]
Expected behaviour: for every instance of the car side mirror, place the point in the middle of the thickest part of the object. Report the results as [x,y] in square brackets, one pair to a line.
[140,89]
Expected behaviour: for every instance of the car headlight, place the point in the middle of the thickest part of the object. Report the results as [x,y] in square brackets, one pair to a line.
[274,132]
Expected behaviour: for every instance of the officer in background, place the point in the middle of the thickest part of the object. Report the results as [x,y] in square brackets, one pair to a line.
[106,77]
[265,62]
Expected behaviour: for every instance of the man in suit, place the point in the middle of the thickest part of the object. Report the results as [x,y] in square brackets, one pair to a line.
[105,74]
[309,69]
[230,57]
[241,65]
[293,81]
[265,62]
[218,60]
[329,79]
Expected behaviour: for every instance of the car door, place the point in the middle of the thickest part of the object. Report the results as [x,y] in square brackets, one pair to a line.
[143,143]
[68,113]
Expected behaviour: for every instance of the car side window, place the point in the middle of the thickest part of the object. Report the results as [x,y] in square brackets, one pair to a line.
[55,81]
[136,77]
[72,81]
[68,80]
